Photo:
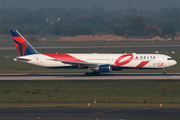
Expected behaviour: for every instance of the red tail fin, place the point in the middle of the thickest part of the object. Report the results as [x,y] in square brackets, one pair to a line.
[23,47]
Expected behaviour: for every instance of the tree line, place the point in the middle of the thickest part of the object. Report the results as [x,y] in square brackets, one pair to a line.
[78,21]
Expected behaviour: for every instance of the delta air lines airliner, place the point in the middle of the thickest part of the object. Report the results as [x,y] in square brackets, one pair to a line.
[94,63]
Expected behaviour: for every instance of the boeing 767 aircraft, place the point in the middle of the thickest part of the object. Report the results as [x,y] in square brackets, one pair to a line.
[94,63]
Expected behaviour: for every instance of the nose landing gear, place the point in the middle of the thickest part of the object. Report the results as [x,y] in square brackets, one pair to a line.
[164,71]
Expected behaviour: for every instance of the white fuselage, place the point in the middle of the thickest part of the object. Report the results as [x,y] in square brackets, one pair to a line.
[124,61]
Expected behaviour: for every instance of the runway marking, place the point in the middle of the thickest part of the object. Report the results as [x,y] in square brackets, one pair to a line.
[106,111]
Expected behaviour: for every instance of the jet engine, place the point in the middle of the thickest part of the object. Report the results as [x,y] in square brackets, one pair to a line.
[100,68]
[103,68]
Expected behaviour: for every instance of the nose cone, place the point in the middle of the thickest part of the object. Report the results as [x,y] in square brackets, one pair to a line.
[171,63]
[174,62]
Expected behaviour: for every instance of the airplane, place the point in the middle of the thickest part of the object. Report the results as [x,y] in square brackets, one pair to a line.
[93,62]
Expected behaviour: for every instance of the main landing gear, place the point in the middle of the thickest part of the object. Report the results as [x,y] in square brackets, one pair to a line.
[92,73]
[164,71]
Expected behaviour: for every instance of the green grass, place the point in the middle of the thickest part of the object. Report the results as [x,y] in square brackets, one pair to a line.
[104,91]
[94,105]
[7,65]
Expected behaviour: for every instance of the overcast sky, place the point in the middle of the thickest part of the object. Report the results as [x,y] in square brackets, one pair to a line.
[109,5]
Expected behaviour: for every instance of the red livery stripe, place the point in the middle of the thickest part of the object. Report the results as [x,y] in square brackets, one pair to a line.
[19,39]
[24,47]
[64,57]
[18,49]
[161,65]
[143,63]
[21,43]
[118,62]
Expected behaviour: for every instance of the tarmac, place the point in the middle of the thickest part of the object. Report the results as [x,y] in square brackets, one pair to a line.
[81,76]
[89,113]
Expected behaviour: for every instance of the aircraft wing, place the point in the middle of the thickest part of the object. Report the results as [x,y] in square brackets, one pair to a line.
[80,64]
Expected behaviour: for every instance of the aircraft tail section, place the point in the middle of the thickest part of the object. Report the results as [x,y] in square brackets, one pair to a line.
[23,47]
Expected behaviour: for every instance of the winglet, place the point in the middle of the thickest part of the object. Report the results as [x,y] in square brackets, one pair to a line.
[23,47]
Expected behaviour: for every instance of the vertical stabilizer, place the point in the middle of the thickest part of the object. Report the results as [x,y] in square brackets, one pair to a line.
[23,47]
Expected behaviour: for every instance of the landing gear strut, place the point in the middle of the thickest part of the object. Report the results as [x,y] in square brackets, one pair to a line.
[92,73]
[164,71]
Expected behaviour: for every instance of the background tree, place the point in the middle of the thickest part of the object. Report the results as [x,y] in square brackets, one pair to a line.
[5,30]
[40,20]
[137,24]
[168,30]
[5,21]
[30,32]
[130,32]
[65,20]
[69,32]
[32,39]
[97,20]
[78,31]
[118,31]
[87,31]
[151,30]
[56,30]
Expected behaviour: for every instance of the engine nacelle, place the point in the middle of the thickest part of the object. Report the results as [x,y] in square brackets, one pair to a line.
[105,68]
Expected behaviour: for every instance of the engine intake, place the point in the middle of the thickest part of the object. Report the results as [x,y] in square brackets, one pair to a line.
[105,68]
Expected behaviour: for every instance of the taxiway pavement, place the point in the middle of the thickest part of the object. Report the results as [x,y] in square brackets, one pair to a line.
[89,113]
[81,76]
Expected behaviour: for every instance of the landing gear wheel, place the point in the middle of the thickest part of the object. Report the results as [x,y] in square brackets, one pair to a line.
[95,73]
[164,71]
[87,74]
[92,73]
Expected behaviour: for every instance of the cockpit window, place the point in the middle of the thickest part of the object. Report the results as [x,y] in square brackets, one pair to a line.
[169,58]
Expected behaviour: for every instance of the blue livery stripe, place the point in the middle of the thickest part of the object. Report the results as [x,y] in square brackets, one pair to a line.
[19,46]
[15,33]
[30,50]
